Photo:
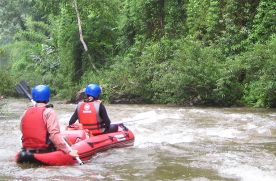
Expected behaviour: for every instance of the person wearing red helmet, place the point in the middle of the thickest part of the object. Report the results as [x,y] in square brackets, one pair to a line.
[92,114]
[40,127]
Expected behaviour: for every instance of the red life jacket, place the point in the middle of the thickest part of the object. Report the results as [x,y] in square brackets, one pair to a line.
[34,129]
[89,117]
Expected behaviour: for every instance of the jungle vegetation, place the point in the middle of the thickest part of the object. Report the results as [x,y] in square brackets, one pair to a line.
[180,52]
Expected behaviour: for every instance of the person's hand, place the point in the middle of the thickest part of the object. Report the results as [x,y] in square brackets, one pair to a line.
[74,153]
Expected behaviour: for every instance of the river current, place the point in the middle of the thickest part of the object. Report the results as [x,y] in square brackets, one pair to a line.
[171,143]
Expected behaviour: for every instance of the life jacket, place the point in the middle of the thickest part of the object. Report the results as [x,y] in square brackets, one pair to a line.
[34,129]
[89,117]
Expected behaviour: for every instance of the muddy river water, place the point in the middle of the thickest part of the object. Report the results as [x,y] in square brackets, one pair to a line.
[171,143]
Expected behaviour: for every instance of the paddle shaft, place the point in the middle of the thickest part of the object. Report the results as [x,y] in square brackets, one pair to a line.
[69,147]
[22,88]
[127,121]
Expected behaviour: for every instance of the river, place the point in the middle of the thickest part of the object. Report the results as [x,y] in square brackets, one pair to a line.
[171,143]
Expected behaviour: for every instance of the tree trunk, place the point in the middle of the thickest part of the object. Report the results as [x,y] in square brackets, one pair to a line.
[80,32]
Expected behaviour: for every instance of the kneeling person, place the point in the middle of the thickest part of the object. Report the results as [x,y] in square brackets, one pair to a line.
[92,114]
[40,127]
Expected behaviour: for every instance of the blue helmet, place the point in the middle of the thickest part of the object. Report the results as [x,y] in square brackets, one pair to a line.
[93,90]
[41,93]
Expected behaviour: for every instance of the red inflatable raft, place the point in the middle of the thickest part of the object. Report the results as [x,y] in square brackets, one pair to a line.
[86,146]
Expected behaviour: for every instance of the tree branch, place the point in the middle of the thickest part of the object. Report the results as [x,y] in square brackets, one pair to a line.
[79,25]
[80,32]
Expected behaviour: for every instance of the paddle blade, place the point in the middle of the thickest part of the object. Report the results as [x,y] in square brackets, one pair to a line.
[19,90]
[23,89]
[25,85]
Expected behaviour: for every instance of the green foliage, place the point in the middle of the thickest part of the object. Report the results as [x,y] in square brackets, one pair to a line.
[65,39]
[190,76]
[3,58]
[175,18]
[196,19]
[100,22]
[35,32]
[152,64]
[120,81]
[12,15]
[188,52]
[237,21]
[32,63]
[264,21]
[152,19]
[33,57]
[213,26]
[229,85]
[7,83]
[168,72]
[23,67]
[116,82]
[260,82]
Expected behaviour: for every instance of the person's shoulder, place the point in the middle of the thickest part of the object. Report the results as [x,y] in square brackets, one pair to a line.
[49,110]
[101,104]
[98,101]
[80,103]
[30,107]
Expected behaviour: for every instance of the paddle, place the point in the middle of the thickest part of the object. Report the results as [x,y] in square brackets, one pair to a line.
[23,89]
[126,121]
[138,117]
[69,147]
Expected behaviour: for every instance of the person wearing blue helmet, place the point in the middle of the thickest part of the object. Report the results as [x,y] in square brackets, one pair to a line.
[92,114]
[40,126]
[41,93]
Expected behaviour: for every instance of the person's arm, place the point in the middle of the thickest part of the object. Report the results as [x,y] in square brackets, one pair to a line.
[104,116]
[74,117]
[54,130]
[54,133]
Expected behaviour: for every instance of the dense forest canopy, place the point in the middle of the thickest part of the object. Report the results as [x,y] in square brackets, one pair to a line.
[184,52]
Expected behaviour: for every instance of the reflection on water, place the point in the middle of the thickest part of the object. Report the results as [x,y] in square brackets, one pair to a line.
[172,143]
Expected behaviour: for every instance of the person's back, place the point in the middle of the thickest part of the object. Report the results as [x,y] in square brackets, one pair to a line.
[88,113]
[34,130]
[40,127]
[92,114]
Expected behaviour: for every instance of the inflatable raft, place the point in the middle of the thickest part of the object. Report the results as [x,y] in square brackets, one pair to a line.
[86,146]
